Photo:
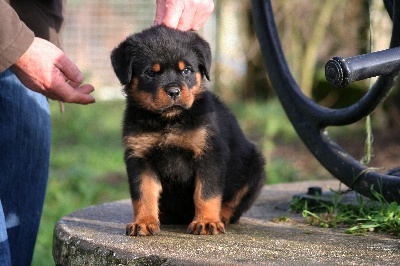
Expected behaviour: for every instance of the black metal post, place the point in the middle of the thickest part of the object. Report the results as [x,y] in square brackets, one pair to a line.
[310,119]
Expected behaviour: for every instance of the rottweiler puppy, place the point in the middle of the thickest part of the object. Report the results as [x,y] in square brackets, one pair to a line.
[186,157]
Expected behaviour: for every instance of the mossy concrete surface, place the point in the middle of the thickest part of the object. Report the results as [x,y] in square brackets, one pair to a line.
[96,236]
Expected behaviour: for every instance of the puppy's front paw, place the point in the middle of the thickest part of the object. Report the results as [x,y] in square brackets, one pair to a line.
[206,228]
[143,228]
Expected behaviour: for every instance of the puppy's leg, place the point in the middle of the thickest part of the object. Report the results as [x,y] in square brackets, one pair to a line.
[206,220]
[145,192]
[229,208]
[247,192]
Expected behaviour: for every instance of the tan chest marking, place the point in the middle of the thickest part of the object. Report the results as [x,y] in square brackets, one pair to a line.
[141,144]
[192,140]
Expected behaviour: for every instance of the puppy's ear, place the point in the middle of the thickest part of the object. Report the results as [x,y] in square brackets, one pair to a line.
[203,52]
[122,58]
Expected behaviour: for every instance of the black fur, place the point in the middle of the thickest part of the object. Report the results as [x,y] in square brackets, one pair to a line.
[226,163]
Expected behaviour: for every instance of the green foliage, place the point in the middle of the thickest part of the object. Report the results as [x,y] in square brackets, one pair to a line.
[383,217]
[366,215]
[264,122]
[267,124]
[280,170]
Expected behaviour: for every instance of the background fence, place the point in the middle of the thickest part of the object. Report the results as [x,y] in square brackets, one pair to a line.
[93,28]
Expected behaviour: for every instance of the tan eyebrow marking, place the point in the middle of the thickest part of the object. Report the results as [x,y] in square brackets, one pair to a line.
[181,65]
[156,67]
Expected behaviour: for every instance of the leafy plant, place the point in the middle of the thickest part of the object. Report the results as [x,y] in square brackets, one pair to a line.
[367,215]
[383,217]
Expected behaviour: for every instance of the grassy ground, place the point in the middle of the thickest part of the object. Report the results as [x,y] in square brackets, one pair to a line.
[361,216]
[87,167]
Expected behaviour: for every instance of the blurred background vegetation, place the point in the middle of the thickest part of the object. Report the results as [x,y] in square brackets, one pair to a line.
[86,157]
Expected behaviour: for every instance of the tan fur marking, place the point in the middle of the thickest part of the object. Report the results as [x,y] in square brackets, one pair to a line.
[181,65]
[228,208]
[156,67]
[145,210]
[147,101]
[187,97]
[192,140]
[198,78]
[171,114]
[197,89]
[147,206]
[135,83]
[141,144]
[161,100]
[206,209]
[141,97]
[207,213]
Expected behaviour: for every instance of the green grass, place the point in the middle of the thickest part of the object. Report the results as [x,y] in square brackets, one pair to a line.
[360,217]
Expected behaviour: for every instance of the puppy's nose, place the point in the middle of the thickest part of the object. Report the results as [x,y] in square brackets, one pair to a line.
[173,92]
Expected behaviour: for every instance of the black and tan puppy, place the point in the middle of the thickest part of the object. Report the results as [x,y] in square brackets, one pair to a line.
[186,157]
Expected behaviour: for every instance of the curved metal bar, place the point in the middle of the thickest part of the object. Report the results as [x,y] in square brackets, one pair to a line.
[310,119]
[320,115]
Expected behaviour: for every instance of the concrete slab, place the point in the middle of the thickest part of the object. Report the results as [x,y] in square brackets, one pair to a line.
[96,236]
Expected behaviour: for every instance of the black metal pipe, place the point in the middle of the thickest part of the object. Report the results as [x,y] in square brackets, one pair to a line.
[340,71]
[310,119]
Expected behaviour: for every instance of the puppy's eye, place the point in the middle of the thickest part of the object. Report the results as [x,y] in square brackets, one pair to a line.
[150,73]
[186,71]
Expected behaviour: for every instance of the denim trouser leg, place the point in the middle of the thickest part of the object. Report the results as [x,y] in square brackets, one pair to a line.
[25,132]
[5,257]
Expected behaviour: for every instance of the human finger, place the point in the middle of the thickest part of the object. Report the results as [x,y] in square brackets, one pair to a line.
[198,23]
[71,90]
[186,19]
[79,97]
[160,12]
[85,89]
[65,93]
[173,13]
[69,70]
[202,15]
[74,84]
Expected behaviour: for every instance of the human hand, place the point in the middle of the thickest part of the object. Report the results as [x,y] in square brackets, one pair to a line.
[183,14]
[44,68]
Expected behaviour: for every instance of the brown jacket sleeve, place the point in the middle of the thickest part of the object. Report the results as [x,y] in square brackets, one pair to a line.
[15,36]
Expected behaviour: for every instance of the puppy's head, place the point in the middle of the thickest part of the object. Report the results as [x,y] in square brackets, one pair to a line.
[162,68]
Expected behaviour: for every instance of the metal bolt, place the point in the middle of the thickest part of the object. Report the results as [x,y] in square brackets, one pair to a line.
[314,191]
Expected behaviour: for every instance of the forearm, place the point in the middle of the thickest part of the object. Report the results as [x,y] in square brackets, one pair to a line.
[15,36]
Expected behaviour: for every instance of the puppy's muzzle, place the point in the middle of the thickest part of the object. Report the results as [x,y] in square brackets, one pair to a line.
[173,91]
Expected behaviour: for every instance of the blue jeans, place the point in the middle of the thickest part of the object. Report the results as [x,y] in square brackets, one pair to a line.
[25,136]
